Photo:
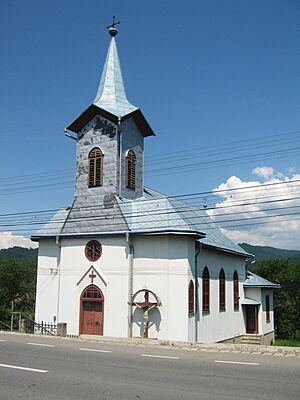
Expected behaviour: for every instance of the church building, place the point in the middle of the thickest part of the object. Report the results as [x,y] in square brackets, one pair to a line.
[127,261]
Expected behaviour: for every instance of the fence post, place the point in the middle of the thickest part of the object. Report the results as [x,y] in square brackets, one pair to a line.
[62,329]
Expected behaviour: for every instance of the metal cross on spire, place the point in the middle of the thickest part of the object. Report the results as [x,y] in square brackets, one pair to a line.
[111,28]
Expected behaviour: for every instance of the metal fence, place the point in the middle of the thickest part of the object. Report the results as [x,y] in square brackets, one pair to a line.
[45,328]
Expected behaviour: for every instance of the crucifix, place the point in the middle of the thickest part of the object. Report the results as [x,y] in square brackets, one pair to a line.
[146,306]
[112,28]
[92,275]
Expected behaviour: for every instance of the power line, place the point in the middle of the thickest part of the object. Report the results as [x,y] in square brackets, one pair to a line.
[219,192]
[163,155]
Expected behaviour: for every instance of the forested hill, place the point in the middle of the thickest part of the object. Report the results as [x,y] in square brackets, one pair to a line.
[271,253]
[20,254]
[261,253]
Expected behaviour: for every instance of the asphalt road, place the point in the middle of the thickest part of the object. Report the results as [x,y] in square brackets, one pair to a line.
[43,368]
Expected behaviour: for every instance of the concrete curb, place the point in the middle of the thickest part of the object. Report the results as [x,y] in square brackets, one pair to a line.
[243,348]
[213,347]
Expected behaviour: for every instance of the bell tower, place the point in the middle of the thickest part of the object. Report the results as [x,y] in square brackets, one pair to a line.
[110,143]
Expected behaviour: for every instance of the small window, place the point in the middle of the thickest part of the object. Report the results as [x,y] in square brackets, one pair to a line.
[222,284]
[130,170]
[267,308]
[236,297]
[93,250]
[205,291]
[95,173]
[191,297]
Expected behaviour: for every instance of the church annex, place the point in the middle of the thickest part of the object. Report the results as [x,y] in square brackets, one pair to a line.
[127,261]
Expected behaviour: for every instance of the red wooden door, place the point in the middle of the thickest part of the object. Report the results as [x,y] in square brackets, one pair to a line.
[92,318]
[91,311]
[251,319]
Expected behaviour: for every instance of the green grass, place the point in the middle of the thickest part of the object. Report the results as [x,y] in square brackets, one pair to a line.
[287,342]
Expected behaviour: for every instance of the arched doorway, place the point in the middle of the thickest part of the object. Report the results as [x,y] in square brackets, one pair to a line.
[91,311]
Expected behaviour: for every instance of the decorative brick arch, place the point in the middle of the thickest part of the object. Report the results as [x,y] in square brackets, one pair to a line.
[91,311]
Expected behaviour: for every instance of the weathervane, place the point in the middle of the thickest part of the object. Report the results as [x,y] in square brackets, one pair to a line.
[111,28]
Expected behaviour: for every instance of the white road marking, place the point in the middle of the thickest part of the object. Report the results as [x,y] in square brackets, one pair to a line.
[2,340]
[41,344]
[236,362]
[96,350]
[23,368]
[157,356]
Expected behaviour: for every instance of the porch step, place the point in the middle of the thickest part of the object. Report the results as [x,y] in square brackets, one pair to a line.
[251,339]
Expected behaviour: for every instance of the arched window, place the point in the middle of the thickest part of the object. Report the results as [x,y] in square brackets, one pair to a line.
[92,292]
[205,291]
[236,296]
[130,170]
[222,284]
[95,177]
[191,297]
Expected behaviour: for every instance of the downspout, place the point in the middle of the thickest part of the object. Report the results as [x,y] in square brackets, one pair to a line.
[130,282]
[58,243]
[120,157]
[198,248]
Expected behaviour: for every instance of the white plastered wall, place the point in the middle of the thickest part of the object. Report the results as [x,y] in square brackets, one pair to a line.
[67,285]
[47,282]
[217,326]
[161,264]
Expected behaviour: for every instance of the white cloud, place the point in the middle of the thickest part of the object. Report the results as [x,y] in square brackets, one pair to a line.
[7,239]
[263,208]
[263,172]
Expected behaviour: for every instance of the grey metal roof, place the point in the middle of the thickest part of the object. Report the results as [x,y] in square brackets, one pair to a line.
[111,100]
[111,94]
[152,213]
[54,226]
[254,280]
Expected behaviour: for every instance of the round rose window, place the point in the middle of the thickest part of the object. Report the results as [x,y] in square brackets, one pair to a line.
[93,250]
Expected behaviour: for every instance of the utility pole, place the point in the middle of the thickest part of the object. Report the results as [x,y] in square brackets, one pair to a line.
[12,316]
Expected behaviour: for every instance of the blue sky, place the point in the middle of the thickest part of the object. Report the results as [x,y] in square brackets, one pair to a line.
[204,73]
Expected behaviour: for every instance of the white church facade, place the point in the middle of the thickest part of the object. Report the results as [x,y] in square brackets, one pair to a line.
[127,261]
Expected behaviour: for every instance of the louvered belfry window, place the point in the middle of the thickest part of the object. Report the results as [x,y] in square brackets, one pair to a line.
[130,170]
[95,178]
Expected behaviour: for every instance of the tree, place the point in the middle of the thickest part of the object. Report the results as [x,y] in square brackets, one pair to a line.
[17,284]
[286,299]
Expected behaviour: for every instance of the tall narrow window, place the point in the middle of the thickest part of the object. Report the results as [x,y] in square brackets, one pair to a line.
[191,297]
[236,297]
[205,291]
[267,308]
[130,170]
[222,284]
[95,177]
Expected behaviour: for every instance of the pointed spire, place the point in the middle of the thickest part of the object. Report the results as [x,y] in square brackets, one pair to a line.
[111,94]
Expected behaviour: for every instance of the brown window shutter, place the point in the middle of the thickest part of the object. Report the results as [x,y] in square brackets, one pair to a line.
[191,298]
[236,297]
[205,291]
[222,286]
